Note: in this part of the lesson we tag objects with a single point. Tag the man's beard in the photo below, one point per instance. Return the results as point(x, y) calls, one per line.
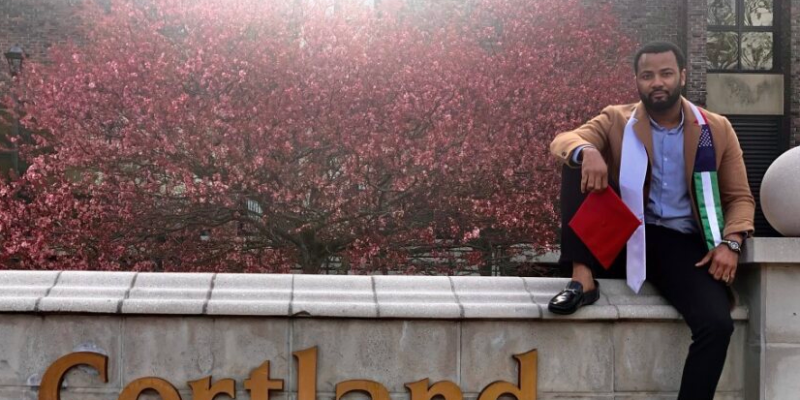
point(662, 105)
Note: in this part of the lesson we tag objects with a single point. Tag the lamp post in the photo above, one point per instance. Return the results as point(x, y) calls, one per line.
point(15, 57)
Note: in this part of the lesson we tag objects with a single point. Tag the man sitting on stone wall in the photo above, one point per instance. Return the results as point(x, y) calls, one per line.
point(682, 173)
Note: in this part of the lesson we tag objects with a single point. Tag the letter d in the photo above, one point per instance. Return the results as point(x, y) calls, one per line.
point(527, 381)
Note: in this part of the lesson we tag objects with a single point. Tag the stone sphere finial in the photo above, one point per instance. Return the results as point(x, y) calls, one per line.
point(780, 193)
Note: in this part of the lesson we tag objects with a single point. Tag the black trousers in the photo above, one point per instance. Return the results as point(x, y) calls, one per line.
point(704, 302)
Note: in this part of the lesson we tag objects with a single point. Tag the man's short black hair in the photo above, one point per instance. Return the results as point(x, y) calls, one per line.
point(660, 47)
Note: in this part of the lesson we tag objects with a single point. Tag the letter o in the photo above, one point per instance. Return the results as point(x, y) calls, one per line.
point(162, 387)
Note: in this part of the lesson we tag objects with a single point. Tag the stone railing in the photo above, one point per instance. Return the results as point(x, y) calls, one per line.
point(390, 329)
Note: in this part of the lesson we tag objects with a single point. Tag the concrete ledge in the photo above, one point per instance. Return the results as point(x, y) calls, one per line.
point(771, 251)
point(417, 297)
point(21, 290)
point(249, 294)
point(342, 296)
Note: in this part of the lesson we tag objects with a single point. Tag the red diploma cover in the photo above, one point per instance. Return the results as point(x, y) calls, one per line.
point(604, 223)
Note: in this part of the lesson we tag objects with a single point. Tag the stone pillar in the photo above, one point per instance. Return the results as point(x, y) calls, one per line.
point(768, 284)
point(794, 65)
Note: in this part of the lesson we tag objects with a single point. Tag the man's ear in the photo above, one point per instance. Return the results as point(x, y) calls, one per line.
point(683, 77)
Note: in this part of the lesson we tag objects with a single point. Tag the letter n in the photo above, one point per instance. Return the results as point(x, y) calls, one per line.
point(448, 390)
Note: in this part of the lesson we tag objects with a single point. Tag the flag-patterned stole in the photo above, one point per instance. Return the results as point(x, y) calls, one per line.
point(706, 186)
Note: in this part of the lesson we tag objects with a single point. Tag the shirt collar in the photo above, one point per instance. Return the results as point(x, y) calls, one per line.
point(661, 128)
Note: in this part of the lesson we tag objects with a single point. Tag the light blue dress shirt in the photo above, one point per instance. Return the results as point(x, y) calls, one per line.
point(669, 204)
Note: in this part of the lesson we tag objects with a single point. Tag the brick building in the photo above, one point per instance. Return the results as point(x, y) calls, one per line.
point(744, 58)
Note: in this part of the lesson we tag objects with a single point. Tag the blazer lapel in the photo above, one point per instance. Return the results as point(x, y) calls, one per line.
point(643, 131)
point(691, 138)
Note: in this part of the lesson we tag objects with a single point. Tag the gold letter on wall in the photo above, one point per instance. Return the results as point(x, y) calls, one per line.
point(306, 374)
point(375, 390)
point(527, 381)
point(54, 376)
point(202, 389)
point(448, 390)
point(259, 383)
point(162, 387)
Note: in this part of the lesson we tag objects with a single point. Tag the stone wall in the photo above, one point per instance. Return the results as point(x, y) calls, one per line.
point(390, 329)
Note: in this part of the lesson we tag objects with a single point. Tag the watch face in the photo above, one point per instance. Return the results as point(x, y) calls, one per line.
point(733, 245)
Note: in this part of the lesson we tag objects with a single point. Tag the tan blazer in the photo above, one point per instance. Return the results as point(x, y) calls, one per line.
point(605, 133)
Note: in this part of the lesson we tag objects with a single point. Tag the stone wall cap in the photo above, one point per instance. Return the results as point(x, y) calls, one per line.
point(337, 296)
point(784, 250)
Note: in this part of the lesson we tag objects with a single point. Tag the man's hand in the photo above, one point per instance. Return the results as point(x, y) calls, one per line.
point(594, 171)
point(723, 263)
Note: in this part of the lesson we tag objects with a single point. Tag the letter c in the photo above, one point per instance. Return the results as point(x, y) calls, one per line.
point(54, 376)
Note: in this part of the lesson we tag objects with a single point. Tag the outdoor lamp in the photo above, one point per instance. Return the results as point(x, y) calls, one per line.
point(15, 55)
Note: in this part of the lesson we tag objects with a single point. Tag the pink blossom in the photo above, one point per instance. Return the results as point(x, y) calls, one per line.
point(246, 136)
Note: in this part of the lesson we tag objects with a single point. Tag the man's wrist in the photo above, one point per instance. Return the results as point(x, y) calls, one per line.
point(738, 237)
point(581, 152)
point(577, 154)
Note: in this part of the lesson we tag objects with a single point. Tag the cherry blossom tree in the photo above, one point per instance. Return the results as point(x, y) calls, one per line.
point(212, 135)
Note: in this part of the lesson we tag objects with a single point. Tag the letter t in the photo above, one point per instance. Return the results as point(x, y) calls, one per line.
point(259, 383)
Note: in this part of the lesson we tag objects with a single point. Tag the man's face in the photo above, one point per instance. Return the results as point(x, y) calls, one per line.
point(659, 80)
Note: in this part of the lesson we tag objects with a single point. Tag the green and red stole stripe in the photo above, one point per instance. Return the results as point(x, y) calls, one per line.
point(706, 184)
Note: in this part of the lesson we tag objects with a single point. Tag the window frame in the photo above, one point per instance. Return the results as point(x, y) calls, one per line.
point(740, 28)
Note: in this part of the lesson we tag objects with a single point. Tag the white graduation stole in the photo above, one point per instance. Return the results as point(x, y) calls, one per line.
point(633, 170)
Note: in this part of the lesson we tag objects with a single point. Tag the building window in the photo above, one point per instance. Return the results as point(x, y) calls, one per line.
point(741, 35)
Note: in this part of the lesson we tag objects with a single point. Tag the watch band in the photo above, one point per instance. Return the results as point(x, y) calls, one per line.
point(733, 245)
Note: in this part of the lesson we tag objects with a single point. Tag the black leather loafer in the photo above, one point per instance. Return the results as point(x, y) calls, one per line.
point(572, 298)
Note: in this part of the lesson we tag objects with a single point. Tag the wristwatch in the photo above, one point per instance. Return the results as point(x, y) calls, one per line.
point(733, 245)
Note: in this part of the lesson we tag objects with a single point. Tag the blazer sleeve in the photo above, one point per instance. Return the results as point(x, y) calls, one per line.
point(594, 133)
point(738, 204)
